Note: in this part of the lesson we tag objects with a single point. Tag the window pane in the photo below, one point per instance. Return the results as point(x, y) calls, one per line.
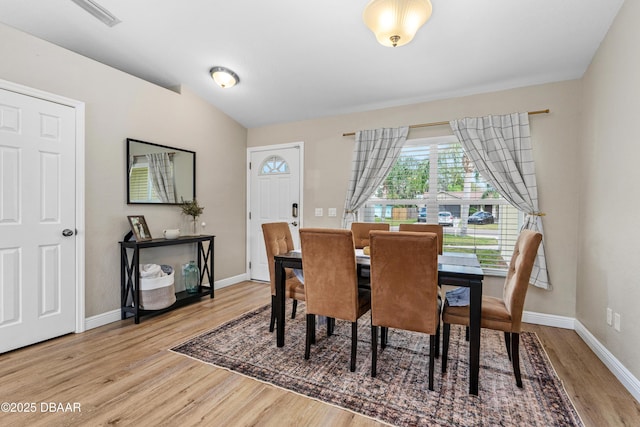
point(138, 184)
point(140, 188)
point(474, 216)
point(409, 178)
point(274, 165)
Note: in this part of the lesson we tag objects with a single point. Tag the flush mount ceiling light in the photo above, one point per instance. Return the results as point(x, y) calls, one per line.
point(98, 11)
point(224, 77)
point(395, 22)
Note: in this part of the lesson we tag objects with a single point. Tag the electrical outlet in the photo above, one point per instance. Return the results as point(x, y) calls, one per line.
point(333, 212)
point(319, 212)
point(609, 316)
point(616, 321)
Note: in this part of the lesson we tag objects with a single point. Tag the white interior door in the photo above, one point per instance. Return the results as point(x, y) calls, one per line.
point(37, 205)
point(275, 196)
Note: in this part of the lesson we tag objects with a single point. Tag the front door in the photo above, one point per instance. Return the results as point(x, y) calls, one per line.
point(37, 220)
point(274, 196)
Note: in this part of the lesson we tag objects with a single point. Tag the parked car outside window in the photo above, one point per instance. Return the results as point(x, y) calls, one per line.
point(422, 214)
point(445, 219)
point(480, 218)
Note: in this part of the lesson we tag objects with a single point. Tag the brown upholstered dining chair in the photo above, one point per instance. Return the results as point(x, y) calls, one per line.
point(404, 288)
point(361, 232)
point(361, 240)
point(331, 283)
point(429, 228)
point(502, 314)
point(278, 240)
point(438, 230)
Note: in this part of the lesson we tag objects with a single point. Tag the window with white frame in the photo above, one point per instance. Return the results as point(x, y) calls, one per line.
point(433, 181)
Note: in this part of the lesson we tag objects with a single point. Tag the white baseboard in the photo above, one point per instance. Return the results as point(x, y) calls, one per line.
point(101, 319)
point(548, 320)
point(114, 315)
point(219, 284)
point(627, 379)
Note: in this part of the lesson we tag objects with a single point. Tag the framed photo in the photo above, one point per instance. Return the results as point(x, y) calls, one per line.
point(139, 227)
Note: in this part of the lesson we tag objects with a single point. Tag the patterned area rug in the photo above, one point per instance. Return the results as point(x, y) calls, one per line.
point(399, 394)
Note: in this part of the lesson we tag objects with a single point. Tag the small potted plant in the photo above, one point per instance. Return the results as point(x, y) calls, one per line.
point(192, 209)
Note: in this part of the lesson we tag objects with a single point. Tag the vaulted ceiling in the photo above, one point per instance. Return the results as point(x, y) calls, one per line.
point(307, 59)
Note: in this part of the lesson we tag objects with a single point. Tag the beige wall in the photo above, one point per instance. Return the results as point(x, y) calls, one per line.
point(609, 243)
point(119, 106)
point(555, 141)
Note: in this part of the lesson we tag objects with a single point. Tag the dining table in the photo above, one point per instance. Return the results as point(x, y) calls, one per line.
point(454, 268)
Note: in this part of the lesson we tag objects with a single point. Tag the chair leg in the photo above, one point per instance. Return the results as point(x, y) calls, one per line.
point(446, 330)
point(272, 323)
point(384, 334)
point(374, 350)
point(432, 353)
point(294, 309)
point(307, 342)
point(354, 344)
point(331, 324)
point(437, 350)
point(507, 342)
point(466, 333)
point(515, 357)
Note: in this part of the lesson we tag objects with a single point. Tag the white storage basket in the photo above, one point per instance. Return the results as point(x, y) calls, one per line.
point(158, 292)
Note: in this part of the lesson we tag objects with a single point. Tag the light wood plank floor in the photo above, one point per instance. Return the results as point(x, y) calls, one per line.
point(123, 374)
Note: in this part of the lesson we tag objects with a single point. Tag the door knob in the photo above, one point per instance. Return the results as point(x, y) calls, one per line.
point(294, 223)
point(66, 232)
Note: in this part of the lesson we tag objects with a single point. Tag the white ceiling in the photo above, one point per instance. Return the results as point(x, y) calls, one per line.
point(302, 59)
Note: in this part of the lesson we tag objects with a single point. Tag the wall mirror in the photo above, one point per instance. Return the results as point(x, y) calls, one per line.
point(159, 174)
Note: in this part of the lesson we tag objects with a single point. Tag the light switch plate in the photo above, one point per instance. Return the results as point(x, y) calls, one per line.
point(332, 212)
point(319, 212)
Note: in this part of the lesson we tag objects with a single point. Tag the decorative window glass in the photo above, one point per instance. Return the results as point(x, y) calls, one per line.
point(274, 165)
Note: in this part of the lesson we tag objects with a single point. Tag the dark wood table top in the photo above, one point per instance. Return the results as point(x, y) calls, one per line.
point(449, 263)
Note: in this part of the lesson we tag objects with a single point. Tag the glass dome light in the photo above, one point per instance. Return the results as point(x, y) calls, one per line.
point(395, 22)
point(224, 77)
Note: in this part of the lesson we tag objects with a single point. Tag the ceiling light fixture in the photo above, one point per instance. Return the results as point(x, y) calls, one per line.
point(395, 22)
point(224, 77)
point(98, 11)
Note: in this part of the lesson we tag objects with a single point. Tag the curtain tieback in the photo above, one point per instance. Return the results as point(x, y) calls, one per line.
point(536, 213)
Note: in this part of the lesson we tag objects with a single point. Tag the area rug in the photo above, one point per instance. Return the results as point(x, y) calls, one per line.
point(399, 394)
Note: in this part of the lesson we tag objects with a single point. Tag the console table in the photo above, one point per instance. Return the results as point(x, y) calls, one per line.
point(130, 272)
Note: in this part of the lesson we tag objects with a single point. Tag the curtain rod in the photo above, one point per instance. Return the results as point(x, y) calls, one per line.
point(424, 125)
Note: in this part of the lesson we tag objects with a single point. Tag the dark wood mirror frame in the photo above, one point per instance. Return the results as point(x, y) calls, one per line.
point(184, 162)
